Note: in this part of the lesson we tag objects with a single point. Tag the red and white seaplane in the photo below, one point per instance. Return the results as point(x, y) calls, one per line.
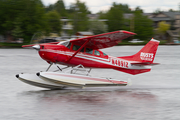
point(80, 55)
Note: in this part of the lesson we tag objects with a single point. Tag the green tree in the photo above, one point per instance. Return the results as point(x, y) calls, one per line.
point(138, 9)
point(79, 13)
point(102, 14)
point(115, 17)
point(142, 25)
point(60, 8)
point(21, 18)
point(162, 27)
point(98, 27)
point(17, 32)
point(54, 24)
point(125, 8)
point(49, 8)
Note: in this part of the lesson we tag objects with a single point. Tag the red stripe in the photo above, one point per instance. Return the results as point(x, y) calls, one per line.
point(95, 79)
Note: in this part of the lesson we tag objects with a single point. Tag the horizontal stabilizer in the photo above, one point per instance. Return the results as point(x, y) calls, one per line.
point(144, 63)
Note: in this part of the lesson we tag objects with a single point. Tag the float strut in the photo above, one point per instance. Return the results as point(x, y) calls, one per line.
point(49, 67)
point(59, 68)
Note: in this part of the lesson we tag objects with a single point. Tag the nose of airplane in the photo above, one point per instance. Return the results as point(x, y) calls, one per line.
point(37, 47)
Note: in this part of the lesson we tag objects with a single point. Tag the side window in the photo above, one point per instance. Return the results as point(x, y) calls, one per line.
point(96, 53)
point(88, 50)
point(104, 54)
point(76, 47)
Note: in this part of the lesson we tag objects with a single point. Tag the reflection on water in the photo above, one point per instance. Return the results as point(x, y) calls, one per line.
point(92, 96)
point(93, 103)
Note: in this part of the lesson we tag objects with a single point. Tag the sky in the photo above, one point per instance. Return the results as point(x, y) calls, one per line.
point(148, 6)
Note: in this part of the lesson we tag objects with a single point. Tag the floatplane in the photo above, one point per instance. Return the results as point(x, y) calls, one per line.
point(81, 55)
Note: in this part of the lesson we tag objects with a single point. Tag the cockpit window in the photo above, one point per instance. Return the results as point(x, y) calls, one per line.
point(88, 50)
point(76, 47)
point(104, 54)
point(96, 53)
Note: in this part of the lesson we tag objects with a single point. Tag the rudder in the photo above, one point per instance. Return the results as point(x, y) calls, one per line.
point(146, 54)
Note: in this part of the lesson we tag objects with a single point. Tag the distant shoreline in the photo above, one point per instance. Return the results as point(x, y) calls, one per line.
point(19, 45)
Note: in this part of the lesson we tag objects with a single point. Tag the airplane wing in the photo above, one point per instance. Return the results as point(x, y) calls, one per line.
point(103, 40)
point(100, 41)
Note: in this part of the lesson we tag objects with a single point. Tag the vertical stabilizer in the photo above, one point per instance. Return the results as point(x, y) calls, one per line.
point(146, 54)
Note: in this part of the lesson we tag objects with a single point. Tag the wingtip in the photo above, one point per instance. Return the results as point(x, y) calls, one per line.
point(155, 40)
point(128, 32)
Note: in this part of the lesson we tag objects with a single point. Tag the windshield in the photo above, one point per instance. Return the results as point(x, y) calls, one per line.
point(65, 43)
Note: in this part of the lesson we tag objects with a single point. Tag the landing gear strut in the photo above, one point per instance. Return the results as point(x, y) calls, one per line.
point(79, 69)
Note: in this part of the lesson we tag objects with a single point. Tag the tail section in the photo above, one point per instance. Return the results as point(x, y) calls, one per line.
point(140, 61)
point(146, 55)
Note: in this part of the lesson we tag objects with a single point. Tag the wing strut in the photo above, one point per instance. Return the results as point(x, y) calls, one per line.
point(78, 50)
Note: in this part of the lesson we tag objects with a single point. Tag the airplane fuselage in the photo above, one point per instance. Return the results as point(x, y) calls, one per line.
point(92, 59)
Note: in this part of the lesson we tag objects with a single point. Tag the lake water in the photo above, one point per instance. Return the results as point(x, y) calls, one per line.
point(154, 95)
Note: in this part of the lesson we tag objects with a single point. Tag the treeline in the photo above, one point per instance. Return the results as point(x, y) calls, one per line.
point(23, 18)
point(134, 22)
